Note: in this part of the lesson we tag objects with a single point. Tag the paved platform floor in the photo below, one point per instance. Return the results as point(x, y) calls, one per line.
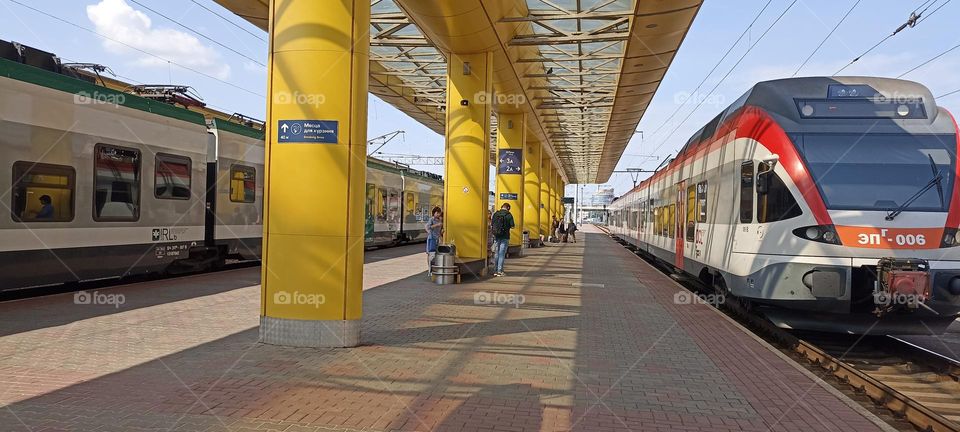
point(595, 343)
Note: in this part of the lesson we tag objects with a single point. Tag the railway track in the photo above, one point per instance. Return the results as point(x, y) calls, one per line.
point(916, 385)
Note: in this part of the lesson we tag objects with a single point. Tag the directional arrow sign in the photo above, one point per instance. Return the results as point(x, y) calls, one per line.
point(284, 127)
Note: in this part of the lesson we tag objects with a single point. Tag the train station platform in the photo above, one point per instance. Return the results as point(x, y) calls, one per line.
point(583, 337)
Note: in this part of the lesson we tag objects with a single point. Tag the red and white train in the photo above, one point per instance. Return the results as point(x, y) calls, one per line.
point(826, 203)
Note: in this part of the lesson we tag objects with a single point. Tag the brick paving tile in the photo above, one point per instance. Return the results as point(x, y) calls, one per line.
point(597, 345)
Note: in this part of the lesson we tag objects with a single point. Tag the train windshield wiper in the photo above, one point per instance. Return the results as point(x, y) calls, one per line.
point(937, 181)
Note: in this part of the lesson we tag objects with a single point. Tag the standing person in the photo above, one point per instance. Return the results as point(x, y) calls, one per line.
point(572, 230)
point(563, 232)
point(434, 229)
point(556, 230)
point(500, 225)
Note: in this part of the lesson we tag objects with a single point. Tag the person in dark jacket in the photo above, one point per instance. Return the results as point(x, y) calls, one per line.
point(500, 225)
point(572, 230)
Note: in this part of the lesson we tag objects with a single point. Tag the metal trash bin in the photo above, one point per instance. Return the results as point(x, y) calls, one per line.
point(526, 239)
point(444, 266)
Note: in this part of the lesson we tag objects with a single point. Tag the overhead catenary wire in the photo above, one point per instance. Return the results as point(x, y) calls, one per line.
point(236, 86)
point(715, 66)
point(948, 93)
point(229, 21)
point(224, 46)
point(725, 76)
point(915, 18)
point(834, 29)
point(931, 59)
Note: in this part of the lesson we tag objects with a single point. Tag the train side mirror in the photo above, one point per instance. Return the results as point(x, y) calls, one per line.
point(765, 173)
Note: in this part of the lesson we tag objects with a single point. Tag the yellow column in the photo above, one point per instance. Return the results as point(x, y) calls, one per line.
point(561, 192)
point(552, 188)
point(466, 183)
point(315, 173)
point(511, 135)
point(545, 222)
point(531, 192)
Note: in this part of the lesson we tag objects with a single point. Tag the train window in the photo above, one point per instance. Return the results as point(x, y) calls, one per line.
point(643, 215)
point(243, 184)
point(42, 192)
point(702, 201)
point(777, 203)
point(117, 183)
point(746, 192)
point(370, 205)
point(393, 206)
point(691, 211)
point(656, 221)
point(672, 220)
point(172, 177)
point(381, 210)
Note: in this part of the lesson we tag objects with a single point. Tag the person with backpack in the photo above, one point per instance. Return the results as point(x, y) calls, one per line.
point(500, 225)
point(434, 228)
point(572, 230)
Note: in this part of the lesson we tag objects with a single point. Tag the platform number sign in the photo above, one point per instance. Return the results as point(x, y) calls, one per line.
point(510, 161)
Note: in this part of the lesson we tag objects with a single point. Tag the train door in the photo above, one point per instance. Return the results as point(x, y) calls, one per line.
point(679, 219)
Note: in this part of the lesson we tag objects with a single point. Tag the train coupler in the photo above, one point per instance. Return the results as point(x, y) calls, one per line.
point(902, 283)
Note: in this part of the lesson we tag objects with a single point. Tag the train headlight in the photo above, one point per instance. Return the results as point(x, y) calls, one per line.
point(818, 233)
point(806, 110)
point(903, 110)
point(951, 237)
point(829, 237)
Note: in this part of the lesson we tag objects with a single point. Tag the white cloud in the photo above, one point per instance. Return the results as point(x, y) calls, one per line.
point(117, 20)
point(250, 66)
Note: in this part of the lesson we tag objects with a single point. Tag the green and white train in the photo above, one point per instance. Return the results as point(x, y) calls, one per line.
point(101, 183)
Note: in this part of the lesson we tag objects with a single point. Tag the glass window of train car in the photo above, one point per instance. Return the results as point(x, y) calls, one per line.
point(656, 221)
point(672, 222)
point(778, 203)
point(381, 210)
point(691, 211)
point(879, 172)
point(32, 182)
point(172, 177)
point(746, 192)
point(243, 184)
point(643, 214)
point(116, 193)
point(702, 201)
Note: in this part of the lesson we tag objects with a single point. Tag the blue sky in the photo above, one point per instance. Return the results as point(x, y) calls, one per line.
point(235, 81)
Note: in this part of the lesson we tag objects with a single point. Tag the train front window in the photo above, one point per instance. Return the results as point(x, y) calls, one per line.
point(880, 171)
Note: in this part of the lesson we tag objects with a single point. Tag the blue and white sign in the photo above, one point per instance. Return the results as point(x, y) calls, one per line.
point(510, 161)
point(508, 196)
point(308, 131)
